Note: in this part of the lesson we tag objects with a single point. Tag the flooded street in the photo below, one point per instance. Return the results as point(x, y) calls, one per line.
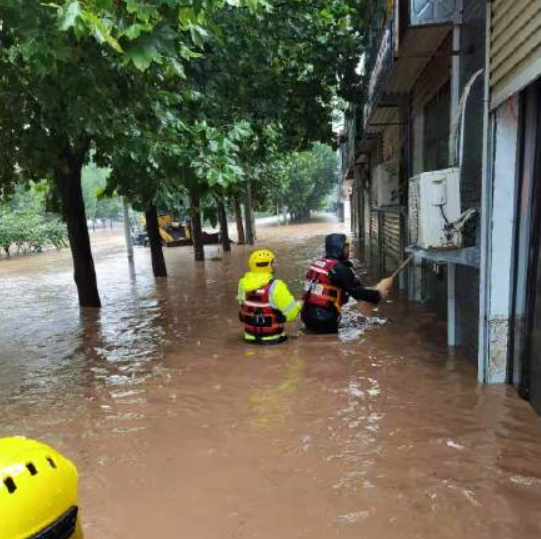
point(180, 430)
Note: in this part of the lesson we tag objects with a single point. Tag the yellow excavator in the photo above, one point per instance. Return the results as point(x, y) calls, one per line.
point(172, 233)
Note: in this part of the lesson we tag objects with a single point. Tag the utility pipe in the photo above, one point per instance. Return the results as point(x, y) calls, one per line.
point(127, 227)
point(486, 206)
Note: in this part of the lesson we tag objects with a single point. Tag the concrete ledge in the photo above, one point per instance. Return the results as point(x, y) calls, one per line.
point(469, 256)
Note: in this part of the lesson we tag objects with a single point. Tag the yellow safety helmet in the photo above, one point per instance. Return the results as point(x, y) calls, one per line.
point(261, 261)
point(38, 492)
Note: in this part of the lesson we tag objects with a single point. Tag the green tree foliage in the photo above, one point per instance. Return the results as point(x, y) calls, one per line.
point(312, 176)
point(301, 182)
point(173, 96)
point(98, 204)
point(77, 75)
point(24, 224)
point(285, 79)
point(286, 66)
point(182, 158)
point(28, 198)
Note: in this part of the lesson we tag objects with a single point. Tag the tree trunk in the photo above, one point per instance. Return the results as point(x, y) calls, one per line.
point(224, 228)
point(240, 225)
point(197, 228)
point(68, 181)
point(156, 250)
point(249, 215)
point(284, 213)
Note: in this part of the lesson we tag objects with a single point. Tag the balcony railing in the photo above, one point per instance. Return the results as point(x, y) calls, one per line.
point(380, 61)
point(432, 12)
point(385, 40)
point(348, 146)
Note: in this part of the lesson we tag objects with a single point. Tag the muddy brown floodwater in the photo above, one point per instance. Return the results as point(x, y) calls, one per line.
point(179, 430)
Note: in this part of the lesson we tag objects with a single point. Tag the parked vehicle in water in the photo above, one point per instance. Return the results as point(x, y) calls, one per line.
point(172, 233)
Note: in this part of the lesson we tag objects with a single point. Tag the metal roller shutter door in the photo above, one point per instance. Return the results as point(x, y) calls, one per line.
point(391, 239)
point(374, 226)
point(515, 55)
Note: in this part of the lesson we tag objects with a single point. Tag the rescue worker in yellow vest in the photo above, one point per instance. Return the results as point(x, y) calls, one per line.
point(266, 304)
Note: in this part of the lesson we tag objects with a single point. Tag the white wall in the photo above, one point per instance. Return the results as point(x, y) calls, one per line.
point(497, 244)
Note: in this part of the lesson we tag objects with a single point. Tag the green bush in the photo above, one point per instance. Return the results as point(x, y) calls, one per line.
point(27, 232)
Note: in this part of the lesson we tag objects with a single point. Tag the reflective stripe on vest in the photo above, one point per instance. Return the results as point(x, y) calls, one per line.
point(290, 307)
point(319, 270)
point(256, 304)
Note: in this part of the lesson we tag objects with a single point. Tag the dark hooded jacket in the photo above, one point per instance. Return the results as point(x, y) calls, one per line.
point(342, 276)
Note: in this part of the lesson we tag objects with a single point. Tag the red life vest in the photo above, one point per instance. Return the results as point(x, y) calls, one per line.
point(319, 290)
point(259, 317)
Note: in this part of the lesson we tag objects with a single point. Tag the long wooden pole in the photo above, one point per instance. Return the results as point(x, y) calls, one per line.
point(402, 267)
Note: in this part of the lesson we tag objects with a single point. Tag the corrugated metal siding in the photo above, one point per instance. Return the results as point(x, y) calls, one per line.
point(382, 116)
point(515, 39)
point(391, 240)
point(374, 226)
point(467, 305)
point(367, 216)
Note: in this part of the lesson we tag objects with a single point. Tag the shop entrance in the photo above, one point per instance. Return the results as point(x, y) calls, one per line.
point(526, 329)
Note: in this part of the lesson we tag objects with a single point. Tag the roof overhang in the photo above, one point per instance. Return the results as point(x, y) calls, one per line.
point(416, 49)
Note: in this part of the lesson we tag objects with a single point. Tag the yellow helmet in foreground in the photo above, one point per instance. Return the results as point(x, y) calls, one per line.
point(38, 492)
point(261, 261)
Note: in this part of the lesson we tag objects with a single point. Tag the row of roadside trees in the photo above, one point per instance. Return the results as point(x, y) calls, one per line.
point(26, 225)
point(208, 99)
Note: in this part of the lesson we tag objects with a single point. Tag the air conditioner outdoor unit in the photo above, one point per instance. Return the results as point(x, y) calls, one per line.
point(434, 210)
point(385, 183)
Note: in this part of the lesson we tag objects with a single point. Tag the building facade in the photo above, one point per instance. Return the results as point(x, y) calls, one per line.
point(453, 87)
point(420, 58)
point(510, 304)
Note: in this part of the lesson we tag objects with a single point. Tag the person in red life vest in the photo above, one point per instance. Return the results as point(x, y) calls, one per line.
point(266, 304)
point(330, 282)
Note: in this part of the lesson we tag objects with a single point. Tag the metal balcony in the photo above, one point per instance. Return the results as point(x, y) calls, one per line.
point(400, 51)
point(430, 12)
point(379, 64)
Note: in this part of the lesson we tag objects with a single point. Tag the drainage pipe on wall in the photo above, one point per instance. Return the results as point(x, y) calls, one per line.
point(486, 212)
